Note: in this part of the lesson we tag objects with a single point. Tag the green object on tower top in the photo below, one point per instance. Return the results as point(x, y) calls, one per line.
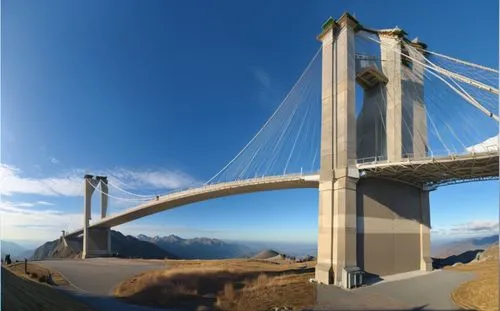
point(328, 22)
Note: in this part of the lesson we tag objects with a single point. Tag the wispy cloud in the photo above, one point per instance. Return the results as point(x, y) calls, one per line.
point(70, 184)
point(19, 221)
point(24, 204)
point(12, 181)
point(54, 160)
point(261, 76)
point(158, 179)
point(471, 228)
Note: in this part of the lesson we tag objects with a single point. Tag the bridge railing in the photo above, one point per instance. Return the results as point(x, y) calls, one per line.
point(249, 180)
point(408, 157)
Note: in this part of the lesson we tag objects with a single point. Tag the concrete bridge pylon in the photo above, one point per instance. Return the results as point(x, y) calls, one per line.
point(379, 226)
point(96, 241)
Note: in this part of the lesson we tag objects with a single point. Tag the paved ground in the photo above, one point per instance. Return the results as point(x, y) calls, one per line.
point(420, 292)
point(99, 276)
point(94, 279)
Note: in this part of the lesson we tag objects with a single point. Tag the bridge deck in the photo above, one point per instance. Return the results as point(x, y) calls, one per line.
point(437, 171)
point(204, 193)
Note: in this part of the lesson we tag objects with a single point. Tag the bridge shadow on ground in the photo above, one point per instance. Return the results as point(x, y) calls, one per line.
point(111, 303)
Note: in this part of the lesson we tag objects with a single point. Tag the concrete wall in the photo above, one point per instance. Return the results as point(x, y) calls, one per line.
point(390, 217)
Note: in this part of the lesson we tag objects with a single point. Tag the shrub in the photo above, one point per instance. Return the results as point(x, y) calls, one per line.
point(229, 291)
point(34, 275)
point(42, 278)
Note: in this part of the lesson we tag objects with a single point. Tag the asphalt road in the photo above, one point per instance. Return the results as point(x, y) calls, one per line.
point(424, 292)
point(427, 292)
point(99, 276)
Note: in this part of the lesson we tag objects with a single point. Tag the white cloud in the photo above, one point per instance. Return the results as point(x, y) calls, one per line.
point(18, 221)
point(70, 184)
point(490, 144)
point(54, 160)
point(157, 179)
point(44, 203)
point(261, 76)
point(12, 182)
point(21, 223)
point(24, 204)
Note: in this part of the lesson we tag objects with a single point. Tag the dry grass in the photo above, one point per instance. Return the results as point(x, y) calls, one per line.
point(37, 273)
point(266, 292)
point(482, 292)
point(223, 285)
point(24, 294)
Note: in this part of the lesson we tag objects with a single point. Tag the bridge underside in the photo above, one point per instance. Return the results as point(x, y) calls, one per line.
point(454, 169)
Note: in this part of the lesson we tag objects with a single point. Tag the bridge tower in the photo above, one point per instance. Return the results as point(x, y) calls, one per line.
point(379, 226)
point(96, 241)
point(338, 173)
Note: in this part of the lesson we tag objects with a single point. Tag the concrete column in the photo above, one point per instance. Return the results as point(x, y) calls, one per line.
point(109, 242)
point(104, 196)
point(104, 210)
point(344, 222)
point(415, 89)
point(324, 268)
point(425, 234)
point(88, 189)
point(337, 197)
point(391, 67)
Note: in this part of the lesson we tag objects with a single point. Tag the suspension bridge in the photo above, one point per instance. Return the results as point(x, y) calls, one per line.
point(375, 122)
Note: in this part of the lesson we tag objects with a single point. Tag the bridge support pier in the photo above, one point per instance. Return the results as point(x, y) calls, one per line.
point(99, 243)
point(425, 231)
point(379, 225)
point(338, 174)
point(96, 242)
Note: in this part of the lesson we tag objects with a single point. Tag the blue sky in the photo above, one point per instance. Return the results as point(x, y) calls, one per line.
point(164, 93)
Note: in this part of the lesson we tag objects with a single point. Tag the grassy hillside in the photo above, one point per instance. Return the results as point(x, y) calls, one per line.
point(482, 292)
point(237, 284)
point(23, 294)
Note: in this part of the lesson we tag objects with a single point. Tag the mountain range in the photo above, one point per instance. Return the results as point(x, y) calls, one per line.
point(15, 250)
point(455, 247)
point(199, 248)
point(173, 246)
point(121, 245)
